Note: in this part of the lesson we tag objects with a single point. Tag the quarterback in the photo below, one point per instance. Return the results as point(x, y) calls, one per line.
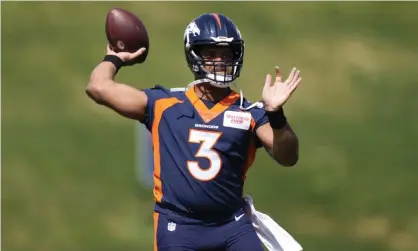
point(204, 136)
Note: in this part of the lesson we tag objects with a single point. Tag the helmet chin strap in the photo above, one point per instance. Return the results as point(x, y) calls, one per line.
point(241, 95)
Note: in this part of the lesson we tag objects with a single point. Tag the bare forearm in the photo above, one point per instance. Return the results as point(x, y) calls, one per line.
point(285, 146)
point(103, 74)
point(124, 99)
point(104, 70)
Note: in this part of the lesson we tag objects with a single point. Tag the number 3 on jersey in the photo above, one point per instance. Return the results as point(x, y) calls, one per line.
point(207, 140)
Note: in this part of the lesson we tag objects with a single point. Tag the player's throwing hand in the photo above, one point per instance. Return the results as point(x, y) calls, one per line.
point(125, 56)
point(276, 93)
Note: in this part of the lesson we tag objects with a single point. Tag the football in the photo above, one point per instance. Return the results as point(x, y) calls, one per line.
point(126, 32)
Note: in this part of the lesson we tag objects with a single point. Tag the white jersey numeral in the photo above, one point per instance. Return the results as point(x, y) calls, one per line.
point(207, 140)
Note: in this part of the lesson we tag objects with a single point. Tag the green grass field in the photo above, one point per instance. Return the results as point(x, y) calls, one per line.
point(68, 177)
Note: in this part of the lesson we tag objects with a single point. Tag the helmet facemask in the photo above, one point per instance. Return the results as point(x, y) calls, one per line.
point(218, 72)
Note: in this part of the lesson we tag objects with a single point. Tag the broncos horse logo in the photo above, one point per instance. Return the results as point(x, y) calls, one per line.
point(191, 29)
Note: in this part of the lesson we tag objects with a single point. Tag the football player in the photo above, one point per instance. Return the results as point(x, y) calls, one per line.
point(204, 137)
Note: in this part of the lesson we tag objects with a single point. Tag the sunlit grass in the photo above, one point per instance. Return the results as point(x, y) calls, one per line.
point(68, 165)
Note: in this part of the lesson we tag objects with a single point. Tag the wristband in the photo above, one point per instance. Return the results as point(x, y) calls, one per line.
point(277, 119)
point(115, 60)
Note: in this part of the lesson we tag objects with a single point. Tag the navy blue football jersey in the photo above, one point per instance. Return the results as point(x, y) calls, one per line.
point(201, 151)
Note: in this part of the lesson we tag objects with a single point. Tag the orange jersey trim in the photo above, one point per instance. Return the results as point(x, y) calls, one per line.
point(160, 106)
point(209, 114)
point(251, 151)
point(155, 216)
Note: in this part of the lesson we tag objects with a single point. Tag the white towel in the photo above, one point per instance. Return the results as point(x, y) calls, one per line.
point(273, 236)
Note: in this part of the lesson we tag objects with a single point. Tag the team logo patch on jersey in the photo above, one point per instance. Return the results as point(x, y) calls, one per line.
point(239, 120)
point(171, 226)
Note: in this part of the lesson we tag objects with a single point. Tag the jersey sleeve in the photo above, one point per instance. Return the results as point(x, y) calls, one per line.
point(153, 94)
point(260, 118)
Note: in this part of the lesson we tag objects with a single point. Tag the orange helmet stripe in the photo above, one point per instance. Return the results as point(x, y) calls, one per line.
point(217, 19)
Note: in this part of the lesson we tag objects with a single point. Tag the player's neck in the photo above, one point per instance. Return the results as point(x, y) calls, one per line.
point(211, 93)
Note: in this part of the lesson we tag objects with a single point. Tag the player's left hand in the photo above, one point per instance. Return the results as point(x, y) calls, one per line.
point(275, 94)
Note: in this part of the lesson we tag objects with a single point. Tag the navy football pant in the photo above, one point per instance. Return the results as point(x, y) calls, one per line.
point(237, 234)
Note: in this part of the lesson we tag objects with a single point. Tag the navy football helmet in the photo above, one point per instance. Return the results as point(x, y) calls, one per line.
point(216, 30)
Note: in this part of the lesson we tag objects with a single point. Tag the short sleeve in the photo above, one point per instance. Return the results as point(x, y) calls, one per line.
point(260, 118)
point(153, 94)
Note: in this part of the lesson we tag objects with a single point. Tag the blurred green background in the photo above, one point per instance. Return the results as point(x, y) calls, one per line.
point(68, 165)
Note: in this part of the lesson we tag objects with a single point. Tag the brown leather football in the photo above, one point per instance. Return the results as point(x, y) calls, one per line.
point(126, 32)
